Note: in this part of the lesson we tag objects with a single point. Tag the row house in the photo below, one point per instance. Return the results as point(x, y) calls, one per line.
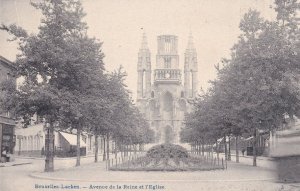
point(30, 141)
point(7, 121)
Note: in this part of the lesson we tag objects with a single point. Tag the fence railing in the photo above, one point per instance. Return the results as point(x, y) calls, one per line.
point(122, 161)
point(141, 162)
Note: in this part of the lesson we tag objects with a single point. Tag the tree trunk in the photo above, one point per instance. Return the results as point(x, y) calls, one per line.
point(78, 147)
point(49, 149)
point(129, 147)
point(217, 148)
point(122, 149)
point(19, 153)
point(202, 147)
point(237, 159)
point(128, 150)
point(107, 145)
point(254, 148)
point(104, 149)
point(135, 149)
point(229, 149)
point(96, 147)
point(193, 148)
point(271, 141)
point(225, 147)
point(208, 150)
point(116, 150)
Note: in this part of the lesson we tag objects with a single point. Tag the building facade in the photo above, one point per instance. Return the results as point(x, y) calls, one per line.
point(30, 141)
point(161, 95)
point(284, 142)
point(7, 122)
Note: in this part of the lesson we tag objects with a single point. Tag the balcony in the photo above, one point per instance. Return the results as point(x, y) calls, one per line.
point(167, 76)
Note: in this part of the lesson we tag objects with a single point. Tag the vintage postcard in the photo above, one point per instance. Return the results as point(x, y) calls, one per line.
point(144, 95)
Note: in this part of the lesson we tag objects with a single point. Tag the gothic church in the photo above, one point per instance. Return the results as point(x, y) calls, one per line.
point(164, 100)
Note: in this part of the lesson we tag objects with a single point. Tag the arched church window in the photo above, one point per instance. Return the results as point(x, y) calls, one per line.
point(169, 134)
point(167, 45)
point(168, 101)
point(195, 62)
point(144, 83)
point(167, 62)
point(191, 83)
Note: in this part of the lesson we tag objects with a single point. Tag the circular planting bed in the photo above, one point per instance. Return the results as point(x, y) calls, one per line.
point(167, 151)
point(167, 157)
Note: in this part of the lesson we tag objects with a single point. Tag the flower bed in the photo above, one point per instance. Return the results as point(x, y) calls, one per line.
point(167, 151)
point(168, 157)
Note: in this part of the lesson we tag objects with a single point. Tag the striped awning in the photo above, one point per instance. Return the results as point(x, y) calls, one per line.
point(72, 139)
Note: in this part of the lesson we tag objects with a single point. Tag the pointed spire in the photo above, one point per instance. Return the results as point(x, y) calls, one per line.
point(190, 42)
point(144, 42)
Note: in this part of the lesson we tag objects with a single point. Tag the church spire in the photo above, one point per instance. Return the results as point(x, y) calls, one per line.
point(190, 69)
point(190, 46)
point(144, 70)
point(144, 42)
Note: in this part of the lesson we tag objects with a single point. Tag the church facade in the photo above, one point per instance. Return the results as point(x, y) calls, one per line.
point(162, 96)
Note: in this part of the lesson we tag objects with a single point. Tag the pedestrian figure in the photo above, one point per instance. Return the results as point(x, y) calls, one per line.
point(43, 151)
point(243, 151)
point(5, 154)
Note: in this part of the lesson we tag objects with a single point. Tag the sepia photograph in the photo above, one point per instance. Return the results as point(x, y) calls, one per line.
point(150, 95)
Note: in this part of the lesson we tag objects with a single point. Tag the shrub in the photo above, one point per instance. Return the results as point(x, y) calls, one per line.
point(167, 151)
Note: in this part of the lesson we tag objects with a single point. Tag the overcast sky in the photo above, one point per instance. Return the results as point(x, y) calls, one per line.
point(118, 24)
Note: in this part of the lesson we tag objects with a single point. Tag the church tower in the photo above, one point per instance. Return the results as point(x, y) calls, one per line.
point(144, 70)
point(167, 56)
point(165, 101)
point(190, 70)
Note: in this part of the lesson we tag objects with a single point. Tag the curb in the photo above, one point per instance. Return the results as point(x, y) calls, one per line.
point(33, 175)
point(21, 163)
point(251, 157)
point(16, 164)
point(58, 158)
point(295, 185)
point(259, 158)
point(28, 157)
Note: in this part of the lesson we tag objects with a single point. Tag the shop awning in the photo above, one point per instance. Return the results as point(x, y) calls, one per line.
point(7, 120)
point(72, 139)
point(249, 138)
point(220, 140)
